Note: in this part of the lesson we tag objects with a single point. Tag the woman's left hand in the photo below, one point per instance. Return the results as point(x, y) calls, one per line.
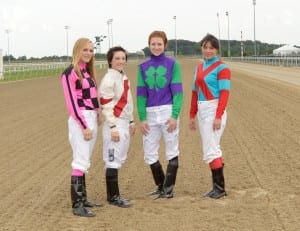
point(172, 124)
point(87, 134)
point(217, 124)
point(192, 124)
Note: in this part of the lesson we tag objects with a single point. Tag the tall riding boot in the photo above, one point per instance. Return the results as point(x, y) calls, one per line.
point(158, 176)
point(170, 179)
point(87, 203)
point(112, 187)
point(77, 197)
point(218, 189)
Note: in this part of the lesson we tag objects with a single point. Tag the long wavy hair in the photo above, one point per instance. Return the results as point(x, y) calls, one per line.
point(76, 58)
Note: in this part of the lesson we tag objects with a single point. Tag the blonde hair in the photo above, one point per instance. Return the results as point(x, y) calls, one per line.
point(76, 58)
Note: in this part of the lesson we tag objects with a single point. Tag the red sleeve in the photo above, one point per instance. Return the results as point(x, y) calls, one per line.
point(224, 95)
point(224, 74)
point(194, 105)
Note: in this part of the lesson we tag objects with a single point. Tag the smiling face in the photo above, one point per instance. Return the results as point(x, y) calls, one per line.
point(156, 46)
point(87, 52)
point(118, 61)
point(208, 50)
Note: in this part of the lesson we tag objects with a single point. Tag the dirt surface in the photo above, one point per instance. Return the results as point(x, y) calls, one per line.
point(261, 147)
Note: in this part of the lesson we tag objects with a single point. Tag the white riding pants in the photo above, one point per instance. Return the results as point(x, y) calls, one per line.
point(157, 118)
point(210, 138)
point(115, 153)
point(82, 149)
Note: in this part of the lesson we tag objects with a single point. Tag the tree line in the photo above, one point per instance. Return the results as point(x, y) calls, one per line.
point(188, 48)
point(184, 48)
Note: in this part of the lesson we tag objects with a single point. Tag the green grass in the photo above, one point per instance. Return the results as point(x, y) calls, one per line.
point(15, 73)
point(30, 74)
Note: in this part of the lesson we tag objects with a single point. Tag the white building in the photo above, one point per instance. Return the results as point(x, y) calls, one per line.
point(287, 50)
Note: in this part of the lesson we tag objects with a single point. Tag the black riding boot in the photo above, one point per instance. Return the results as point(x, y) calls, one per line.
point(87, 203)
point(77, 197)
point(158, 176)
point(170, 179)
point(218, 189)
point(112, 188)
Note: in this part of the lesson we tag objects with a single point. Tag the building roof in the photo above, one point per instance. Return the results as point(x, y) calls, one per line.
point(286, 50)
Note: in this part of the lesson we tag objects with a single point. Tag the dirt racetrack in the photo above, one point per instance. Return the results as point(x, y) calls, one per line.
point(261, 147)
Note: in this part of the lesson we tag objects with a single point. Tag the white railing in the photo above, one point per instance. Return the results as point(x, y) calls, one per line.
point(20, 67)
point(20, 71)
point(288, 61)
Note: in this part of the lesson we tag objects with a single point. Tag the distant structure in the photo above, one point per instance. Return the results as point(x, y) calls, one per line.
point(1, 65)
point(287, 50)
point(170, 54)
point(140, 54)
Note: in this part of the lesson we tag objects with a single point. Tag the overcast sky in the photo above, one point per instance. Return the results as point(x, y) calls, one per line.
point(37, 27)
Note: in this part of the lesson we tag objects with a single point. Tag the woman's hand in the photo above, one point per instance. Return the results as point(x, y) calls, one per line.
point(115, 136)
point(172, 124)
point(192, 124)
point(145, 128)
point(87, 134)
point(217, 124)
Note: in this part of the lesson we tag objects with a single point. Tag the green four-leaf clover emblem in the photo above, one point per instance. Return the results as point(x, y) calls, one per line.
point(156, 77)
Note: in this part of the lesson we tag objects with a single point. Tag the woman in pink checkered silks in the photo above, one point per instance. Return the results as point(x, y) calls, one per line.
point(80, 91)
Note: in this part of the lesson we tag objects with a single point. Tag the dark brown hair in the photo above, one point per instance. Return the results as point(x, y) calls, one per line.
point(111, 52)
point(212, 39)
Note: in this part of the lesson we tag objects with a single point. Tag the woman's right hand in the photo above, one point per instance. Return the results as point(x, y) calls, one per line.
point(145, 128)
point(115, 136)
point(192, 124)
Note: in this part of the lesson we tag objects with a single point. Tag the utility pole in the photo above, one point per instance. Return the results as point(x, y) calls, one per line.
point(67, 39)
point(220, 49)
point(254, 3)
point(229, 53)
point(174, 17)
point(242, 46)
point(7, 31)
